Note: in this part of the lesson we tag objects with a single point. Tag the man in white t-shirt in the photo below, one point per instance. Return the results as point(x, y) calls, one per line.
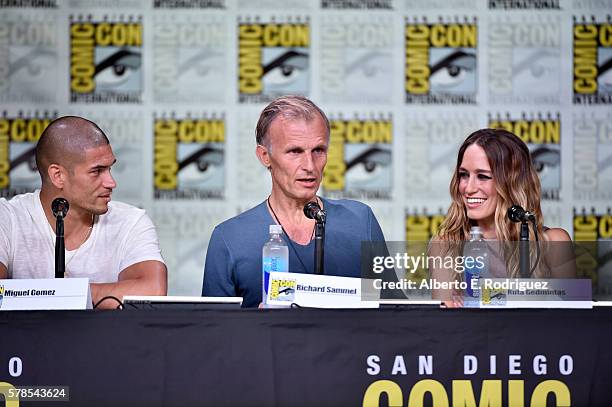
point(111, 243)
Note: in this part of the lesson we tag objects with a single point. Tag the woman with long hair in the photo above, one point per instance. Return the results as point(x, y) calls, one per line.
point(494, 171)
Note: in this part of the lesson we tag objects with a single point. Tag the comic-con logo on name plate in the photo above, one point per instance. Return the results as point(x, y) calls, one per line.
point(18, 137)
point(592, 61)
point(106, 60)
point(359, 159)
point(542, 134)
point(273, 59)
point(493, 297)
point(1, 294)
point(189, 157)
point(282, 289)
point(440, 62)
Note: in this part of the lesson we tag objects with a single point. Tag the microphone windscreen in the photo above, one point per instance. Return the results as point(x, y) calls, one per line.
point(60, 206)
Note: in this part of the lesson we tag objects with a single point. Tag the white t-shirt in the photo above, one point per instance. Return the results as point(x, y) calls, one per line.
point(121, 237)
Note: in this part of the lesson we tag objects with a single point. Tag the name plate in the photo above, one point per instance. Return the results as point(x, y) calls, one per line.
point(315, 291)
point(45, 294)
point(536, 293)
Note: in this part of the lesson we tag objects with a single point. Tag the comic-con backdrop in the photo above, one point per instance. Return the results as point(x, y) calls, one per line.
point(178, 86)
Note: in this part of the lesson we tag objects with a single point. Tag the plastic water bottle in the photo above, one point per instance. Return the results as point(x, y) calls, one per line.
point(475, 262)
point(275, 257)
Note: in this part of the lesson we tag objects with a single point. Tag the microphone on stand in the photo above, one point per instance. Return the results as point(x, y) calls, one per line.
point(517, 214)
point(312, 210)
point(59, 207)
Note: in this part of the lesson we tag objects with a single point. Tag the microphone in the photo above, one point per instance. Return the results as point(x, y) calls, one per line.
point(60, 207)
point(312, 210)
point(517, 214)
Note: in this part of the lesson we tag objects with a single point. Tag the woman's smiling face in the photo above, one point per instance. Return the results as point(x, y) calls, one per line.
point(477, 185)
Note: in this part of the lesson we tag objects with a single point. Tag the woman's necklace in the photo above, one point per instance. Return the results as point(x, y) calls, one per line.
point(286, 234)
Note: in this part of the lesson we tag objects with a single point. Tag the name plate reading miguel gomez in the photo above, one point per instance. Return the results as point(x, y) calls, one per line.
point(45, 294)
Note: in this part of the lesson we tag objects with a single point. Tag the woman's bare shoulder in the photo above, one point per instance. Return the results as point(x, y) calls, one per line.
point(557, 235)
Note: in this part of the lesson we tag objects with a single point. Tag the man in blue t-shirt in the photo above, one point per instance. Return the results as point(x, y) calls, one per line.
point(292, 140)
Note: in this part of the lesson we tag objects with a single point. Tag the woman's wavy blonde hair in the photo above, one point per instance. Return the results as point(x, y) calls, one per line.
point(516, 183)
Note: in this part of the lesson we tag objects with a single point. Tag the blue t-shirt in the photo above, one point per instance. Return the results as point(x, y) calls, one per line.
point(233, 260)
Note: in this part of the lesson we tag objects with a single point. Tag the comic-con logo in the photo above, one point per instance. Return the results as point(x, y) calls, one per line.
point(1, 294)
point(190, 63)
point(542, 134)
point(420, 227)
point(441, 62)
point(592, 62)
point(356, 59)
point(18, 138)
point(282, 289)
point(126, 131)
point(273, 60)
point(593, 235)
point(524, 60)
point(359, 159)
point(592, 157)
point(105, 61)
point(189, 158)
point(28, 59)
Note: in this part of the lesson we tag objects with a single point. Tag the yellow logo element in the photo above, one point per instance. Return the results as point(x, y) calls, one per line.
point(282, 289)
point(5, 391)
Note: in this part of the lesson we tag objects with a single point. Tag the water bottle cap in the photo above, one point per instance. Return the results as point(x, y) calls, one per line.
point(276, 229)
point(475, 229)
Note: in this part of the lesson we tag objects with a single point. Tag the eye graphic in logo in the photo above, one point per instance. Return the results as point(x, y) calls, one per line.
point(126, 171)
point(286, 292)
point(200, 64)
point(200, 68)
point(604, 74)
point(33, 63)
point(546, 161)
point(284, 71)
point(604, 164)
point(369, 167)
point(452, 70)
point(201, 166)
point(23, 169)
point(118, 69)
point(372, 68)
point(32, 71)
point(441, 163)
point(536, 70)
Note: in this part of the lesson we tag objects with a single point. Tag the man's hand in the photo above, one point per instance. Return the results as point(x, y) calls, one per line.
point(3, 272)
point(144, 278)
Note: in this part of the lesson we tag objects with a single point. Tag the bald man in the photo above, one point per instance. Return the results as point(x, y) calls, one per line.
point(111, 243)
